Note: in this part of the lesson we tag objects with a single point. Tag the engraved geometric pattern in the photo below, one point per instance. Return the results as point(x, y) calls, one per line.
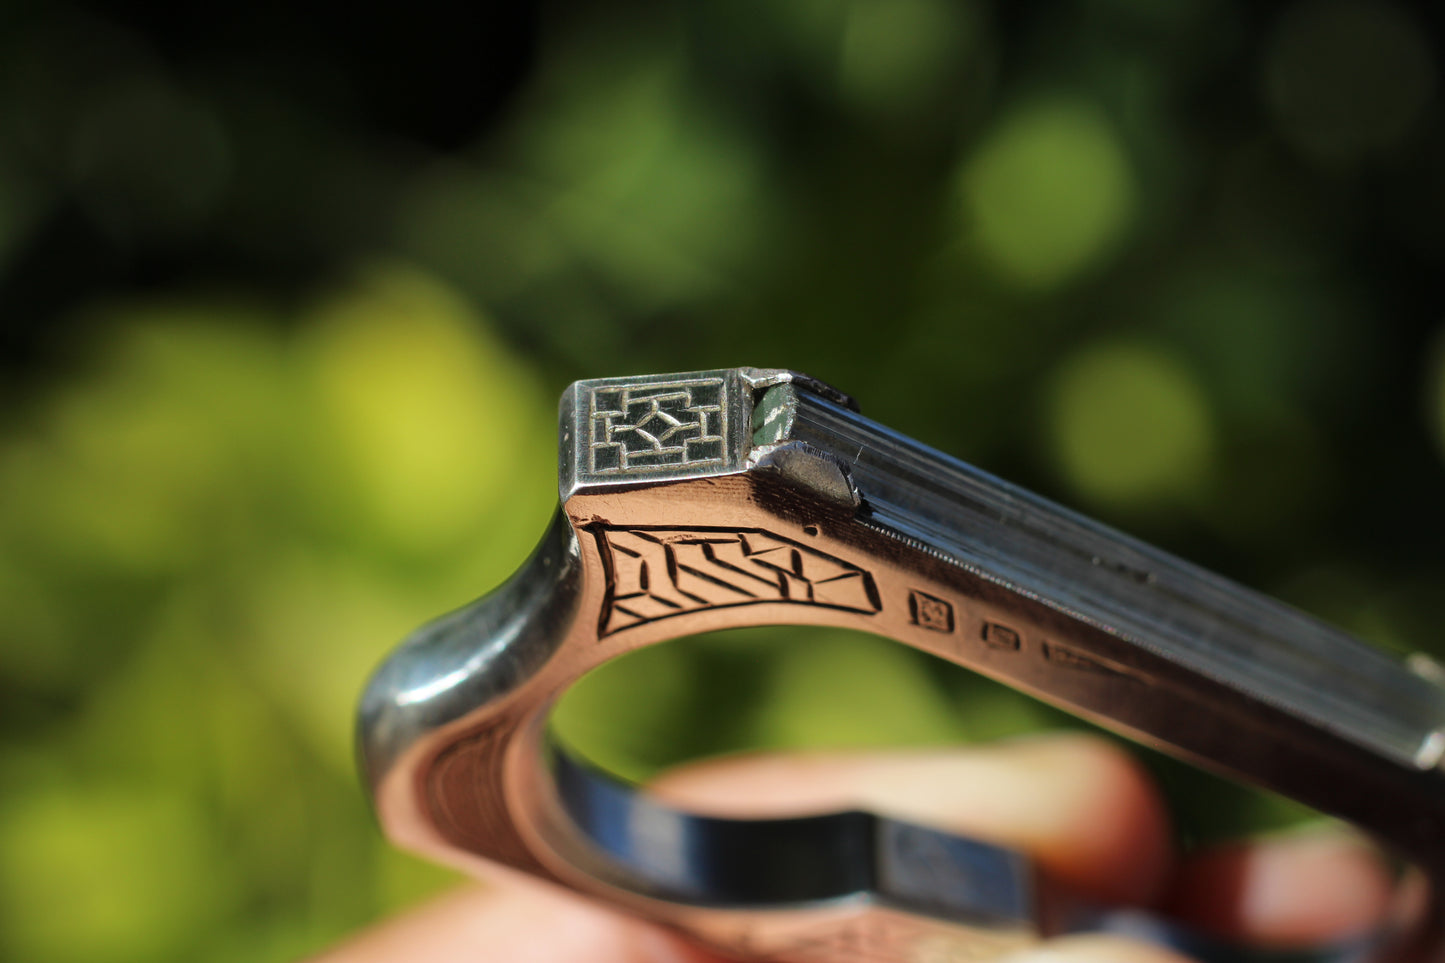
point(656, 427)
point(657, 573)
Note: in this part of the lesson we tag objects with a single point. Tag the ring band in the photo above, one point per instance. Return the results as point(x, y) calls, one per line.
point(739, 497)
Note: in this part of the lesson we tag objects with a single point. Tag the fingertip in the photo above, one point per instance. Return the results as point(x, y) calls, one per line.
point(1295, 890)
point(1079, 805)
point(1108, 834)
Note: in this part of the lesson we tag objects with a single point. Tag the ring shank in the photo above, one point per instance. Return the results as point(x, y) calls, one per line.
point(494, 789)
point(824, 518)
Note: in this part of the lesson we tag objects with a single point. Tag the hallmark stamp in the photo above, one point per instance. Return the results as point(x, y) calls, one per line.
point(1070, 659)
point(656, 426)
point(654, 573)
point(997, 636)
point(930, 613)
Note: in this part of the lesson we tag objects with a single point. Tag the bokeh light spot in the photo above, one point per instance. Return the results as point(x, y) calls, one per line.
point(1049, 193)
point(1131, 427)
point(896, 51)
point(124, 466)
point(428, 414)
point(1348, 78)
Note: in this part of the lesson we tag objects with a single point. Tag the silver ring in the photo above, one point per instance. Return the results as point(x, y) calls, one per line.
point(737, 497)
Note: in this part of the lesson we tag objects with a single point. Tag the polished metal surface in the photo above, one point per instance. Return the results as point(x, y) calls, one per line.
point(717, 499)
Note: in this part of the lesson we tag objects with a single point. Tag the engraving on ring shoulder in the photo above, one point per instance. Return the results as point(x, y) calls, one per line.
point(654, 573)
point(456, 787)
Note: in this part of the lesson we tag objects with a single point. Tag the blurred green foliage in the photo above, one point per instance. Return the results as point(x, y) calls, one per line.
point(210, 536)
point(284, 373)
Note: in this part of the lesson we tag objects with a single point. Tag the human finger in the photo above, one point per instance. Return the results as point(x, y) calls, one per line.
point(1078, 805)
point(1301, 889)
point(518, 920)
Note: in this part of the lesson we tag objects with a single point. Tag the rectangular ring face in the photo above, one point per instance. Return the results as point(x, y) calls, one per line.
point(654, 427)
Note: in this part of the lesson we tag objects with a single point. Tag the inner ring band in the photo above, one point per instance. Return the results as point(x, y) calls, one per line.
point(852, 855)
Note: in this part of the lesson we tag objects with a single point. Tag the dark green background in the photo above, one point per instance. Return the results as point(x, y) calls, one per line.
point(287, 294)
